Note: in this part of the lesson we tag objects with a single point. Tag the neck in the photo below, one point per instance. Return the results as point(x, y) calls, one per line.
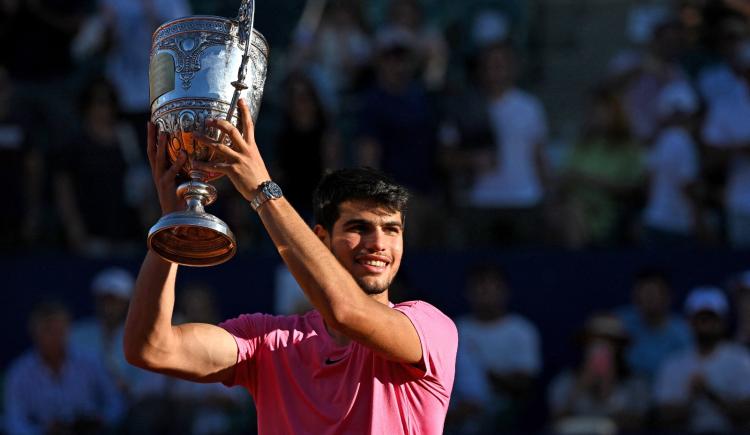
point(497, 90)
point(53, 362)
point(656, 321)
point(705, 349)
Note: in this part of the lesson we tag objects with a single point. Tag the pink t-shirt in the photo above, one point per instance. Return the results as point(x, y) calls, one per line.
point(303, 383)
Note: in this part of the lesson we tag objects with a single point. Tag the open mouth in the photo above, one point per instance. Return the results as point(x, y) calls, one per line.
point(373, 264)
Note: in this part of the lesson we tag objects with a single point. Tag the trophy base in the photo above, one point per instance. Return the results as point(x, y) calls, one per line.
point(192, 238)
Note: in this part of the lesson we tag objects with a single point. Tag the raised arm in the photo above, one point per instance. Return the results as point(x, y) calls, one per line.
point(194, 351)
point(330, 287)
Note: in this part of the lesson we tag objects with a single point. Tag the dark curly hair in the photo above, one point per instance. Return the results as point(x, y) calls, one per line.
point(363, 184)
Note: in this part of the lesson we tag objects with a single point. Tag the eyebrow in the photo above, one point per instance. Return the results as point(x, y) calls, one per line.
point(391, 223)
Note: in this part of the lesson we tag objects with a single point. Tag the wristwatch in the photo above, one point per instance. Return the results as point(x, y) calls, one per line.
point(267, 190)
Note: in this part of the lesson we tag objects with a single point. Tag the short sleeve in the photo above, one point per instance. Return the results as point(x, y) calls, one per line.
point(558, 392)
point(671, 383)
point(739, 367)
point(439, 339)
point(249, 332)
point(528, 356)
point(680, 157)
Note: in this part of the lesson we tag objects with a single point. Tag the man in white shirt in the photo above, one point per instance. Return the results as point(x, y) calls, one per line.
point(500, 132)
point(726, 132)
point(706, 389)
point(498, 358)
point(671, 214)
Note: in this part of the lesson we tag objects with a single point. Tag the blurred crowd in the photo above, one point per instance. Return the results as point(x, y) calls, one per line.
point(440, 96)
point(641, 368)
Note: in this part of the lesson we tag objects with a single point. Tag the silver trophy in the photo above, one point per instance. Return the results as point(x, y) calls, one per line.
point(198, 69)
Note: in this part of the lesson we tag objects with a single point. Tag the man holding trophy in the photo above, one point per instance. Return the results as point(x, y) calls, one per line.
point(357, 363)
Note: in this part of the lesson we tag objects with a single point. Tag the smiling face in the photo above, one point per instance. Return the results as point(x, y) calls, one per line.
point(367, 240)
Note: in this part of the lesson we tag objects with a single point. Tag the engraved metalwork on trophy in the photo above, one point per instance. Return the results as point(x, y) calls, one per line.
point(211, 56)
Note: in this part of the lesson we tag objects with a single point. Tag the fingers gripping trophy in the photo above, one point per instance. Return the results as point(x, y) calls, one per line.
point(200, 67)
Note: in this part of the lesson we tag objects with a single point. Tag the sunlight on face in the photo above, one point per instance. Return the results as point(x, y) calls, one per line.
point(368, 241)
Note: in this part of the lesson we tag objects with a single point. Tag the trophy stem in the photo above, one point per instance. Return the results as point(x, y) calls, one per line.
point(196, 193)
point(193, 237)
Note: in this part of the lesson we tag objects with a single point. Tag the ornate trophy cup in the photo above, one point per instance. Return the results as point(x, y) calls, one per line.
point(197, 72)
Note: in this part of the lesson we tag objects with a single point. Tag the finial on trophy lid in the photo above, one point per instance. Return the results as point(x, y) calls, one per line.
point(198, 70)
point(246, 20)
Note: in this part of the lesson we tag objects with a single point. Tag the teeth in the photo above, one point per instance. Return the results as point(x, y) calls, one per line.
point(375, 263)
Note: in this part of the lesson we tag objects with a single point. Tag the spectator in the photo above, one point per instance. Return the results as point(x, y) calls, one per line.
point(498, 359)
point(727, 135)
point(334, 48)
point(130, 25)
point(498, 132)
point(603, 176)
point(655, 332)
point(307, 142)
point(601, 392)
point(658, 67)
point(430, 45)
point(398, 130)
point(706, 389)
point(672, 215)
point(101, 336)
point(52, 389)
point(99, 179)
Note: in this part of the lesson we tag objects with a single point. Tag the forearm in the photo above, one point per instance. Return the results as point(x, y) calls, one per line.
point(329, 287)
point(148, 328)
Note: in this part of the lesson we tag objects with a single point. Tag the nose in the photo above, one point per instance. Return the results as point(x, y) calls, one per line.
point(376, 240)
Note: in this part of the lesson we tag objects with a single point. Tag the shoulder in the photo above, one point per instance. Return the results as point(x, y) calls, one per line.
point(425, 308)
point(429, 320)
point(678, 323)
point(677, 362)
point(521, 98)
point(734, 352)
point(22, 366)
point(520, 322)
point(676, 139)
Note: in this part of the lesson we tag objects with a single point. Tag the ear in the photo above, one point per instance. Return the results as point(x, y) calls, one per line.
point(322, 233)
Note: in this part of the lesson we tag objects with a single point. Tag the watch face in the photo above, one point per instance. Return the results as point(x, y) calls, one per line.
point(272, 190)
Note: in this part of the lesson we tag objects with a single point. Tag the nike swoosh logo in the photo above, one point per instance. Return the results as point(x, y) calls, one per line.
point(330, 361)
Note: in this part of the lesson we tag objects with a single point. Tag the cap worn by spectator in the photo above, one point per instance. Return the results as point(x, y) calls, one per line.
point(113, 281)
point(490, 27)
point(706, 298)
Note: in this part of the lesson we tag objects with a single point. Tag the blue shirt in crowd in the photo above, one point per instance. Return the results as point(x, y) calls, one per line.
point(650, 347)
point(35, 397)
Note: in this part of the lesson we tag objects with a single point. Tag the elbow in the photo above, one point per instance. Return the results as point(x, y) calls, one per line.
point(346, 317)
point(134, 353)
point(137, 353)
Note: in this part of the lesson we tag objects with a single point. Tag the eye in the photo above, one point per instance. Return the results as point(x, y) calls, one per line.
point(393, 230)
point(357, 228)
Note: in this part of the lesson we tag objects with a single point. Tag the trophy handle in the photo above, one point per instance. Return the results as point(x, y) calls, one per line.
point(246, 18)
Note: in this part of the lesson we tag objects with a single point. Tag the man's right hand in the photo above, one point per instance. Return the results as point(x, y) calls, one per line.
point(163, 171)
